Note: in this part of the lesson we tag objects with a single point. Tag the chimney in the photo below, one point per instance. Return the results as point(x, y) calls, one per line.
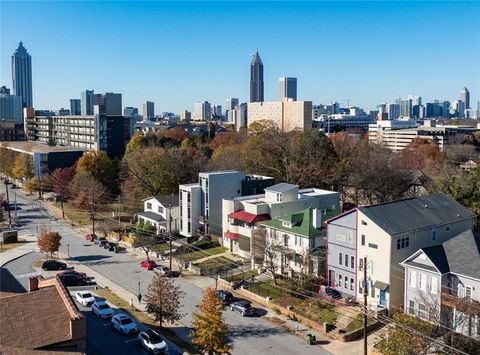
point(32, 284)
point(316, 217)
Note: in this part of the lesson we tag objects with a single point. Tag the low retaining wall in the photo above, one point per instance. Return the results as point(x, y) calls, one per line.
point(358, 334)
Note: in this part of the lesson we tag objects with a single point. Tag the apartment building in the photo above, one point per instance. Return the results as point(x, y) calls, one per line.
point(442, 284)
point(387, 234)
point(201, 203)
point(242, 214)
point(396, 135)
point(287, 115)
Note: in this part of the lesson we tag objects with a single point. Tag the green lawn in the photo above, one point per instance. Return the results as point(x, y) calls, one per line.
point(196, 255)
point(357, 323)
point(220, 261)
point(241, 276)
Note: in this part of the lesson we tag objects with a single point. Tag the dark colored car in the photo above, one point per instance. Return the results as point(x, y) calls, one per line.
point(53, 265)
point(243, 307)
point(73, 280)
point(225, 296)
point(240, 283)
point(101, 243)
point(97, 240)
point(73, 273)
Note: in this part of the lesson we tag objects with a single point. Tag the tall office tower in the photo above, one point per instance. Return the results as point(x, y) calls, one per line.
point(393, 111)
point(10, 106)
point(86, 108)
point(287, 88)
point(217, 110)
point(109, 104)
point(130, 112)
point(232, 102)
point(185, 115)
point(75, 107)
point(22, 75)
point(203, 111)
point(148, 110)
point(457, 108)
point(256, 79)
point(465, 97)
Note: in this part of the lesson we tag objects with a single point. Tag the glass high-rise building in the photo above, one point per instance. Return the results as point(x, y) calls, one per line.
point(465, 97)
point(287, 88)
point(22, 75)
point(87, 102)
point(75, 107)
point(256, 79)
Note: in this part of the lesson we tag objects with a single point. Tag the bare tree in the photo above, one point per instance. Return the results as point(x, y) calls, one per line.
point(163, 300)
point(266, 247)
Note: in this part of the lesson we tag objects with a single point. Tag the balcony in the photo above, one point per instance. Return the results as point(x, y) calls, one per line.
point(462, 304)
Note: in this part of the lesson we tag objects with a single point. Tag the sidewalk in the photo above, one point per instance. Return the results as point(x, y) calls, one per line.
point(12, 254)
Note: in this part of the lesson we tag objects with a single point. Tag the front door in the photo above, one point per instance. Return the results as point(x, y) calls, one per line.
point(331, 278)
point(382, 298)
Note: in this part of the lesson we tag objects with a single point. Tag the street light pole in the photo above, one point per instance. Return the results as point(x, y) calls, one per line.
point(8, 204)
point(170, 232)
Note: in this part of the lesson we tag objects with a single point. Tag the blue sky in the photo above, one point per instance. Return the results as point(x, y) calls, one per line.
point(176, 53)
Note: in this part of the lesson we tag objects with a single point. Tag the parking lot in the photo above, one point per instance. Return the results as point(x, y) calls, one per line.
point(102, 338)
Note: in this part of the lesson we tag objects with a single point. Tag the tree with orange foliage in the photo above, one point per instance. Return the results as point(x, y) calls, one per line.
point(209, 328)
point(419, 154)
point(48, 241)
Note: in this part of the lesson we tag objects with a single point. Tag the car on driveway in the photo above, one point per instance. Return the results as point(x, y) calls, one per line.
point(102, 309)
point(152, 342)
point(244, 307)
point(90, 237)
point(164, 271)
point(72, 279)
point(148, 264)
point(79, 275)
point(97, 240)
point(124, 323)
point(85, 298)
point(53, 265)
point(225, 296)
point(102, 243)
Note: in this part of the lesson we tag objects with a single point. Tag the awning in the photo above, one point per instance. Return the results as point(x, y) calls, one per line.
point(230, 235)
point(248, 217)
point(380, 285)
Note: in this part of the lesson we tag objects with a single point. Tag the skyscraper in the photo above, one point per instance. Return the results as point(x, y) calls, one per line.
point(87, 102)
point(148, 110)
point(256, 79)
point(465, 97)
point(287, 88)
point(203, 111)
point(232, 102)
point(75, 107)
point(22, 75)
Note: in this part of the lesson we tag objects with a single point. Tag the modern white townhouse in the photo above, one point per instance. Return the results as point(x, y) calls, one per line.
point(387, 234)
point(442, 284)
point(157, 211)
point(241, 214)
point(201, 203)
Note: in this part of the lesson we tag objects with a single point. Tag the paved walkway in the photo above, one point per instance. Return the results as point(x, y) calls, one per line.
point(12, 254)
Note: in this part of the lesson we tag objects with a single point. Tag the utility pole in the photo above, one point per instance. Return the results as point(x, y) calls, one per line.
point(15, 203)
point(170, 232)
point(365, 317)
point(93, 211)
point(8, 204)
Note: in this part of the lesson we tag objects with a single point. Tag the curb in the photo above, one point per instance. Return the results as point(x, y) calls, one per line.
point(17, 257)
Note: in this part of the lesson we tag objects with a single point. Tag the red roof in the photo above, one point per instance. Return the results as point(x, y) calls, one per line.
point(230, 235)
point(249, 217)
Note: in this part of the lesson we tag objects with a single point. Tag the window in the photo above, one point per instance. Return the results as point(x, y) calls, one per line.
point(339, 282)
point(411, 307)
point(433, 234)
point(412, 279)
point(422, 311)
point(340, 258)
point(423, 281)
point(352, 262)
point(360, 286)
point(363, 239)
point(351, 284)
point(364, 223)
point(434, 286)
point(346, 283)
point(468, 291)
point(285, 240)
point(403, 243)
point(160, 209)
point(346, 260)
point(341, 237)
point(360, 264)
point(373, 246)
point(149, 205)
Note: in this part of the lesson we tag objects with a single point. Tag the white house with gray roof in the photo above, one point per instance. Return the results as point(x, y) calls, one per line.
point(442, 284)
point(387, 234)
point(157, 211)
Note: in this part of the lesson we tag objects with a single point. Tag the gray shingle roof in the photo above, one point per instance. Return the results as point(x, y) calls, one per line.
point(153, 216)
point(416, 213)
point(459, 255)
point(168, 200)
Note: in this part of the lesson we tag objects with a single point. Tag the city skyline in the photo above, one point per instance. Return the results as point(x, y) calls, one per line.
point(358, 67)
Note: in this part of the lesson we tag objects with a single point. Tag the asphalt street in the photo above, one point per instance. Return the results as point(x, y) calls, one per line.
point(248, 335)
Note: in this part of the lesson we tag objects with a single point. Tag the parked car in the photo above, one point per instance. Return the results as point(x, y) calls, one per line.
point(124, 323)
point(225, 296)
point(80, 275)
point(85, 298)
point(152, 342)
point(101, 243)
point(53, 265)
point(73, 280)
point(90, 237)
point(102, 309)
point(240, 283)
point(164, 271)
point(97, 240)
point(244, 307)
point(148, 264)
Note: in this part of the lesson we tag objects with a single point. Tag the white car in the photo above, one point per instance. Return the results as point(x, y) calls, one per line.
point(102, 309)
point(152, 342)
point(124, 324)
point(85, 298)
